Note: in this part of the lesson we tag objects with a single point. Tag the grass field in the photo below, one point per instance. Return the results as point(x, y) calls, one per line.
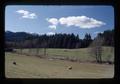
point(82, 54)
point(35, 67)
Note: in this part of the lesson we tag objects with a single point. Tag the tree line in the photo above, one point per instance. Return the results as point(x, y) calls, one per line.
point(51, 41)
point(70, 41)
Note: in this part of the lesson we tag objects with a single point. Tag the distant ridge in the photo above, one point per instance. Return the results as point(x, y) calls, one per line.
point(16, 36)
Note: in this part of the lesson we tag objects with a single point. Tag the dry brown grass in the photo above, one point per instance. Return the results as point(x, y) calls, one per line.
point(35, 67)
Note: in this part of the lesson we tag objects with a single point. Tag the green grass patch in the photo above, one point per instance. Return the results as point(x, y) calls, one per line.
point(82, 54)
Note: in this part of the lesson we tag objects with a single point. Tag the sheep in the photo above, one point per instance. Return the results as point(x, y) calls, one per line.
point(14, 63)
point(70, 68)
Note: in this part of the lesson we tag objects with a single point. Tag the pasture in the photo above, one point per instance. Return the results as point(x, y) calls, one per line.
point(82, 55)
point(35, 67)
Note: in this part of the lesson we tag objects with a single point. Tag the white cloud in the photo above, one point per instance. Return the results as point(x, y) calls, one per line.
point(52, 27)
point(27, 14)
point(50, 33)
point(81, 21)
point(53, 22)
point(77, 21)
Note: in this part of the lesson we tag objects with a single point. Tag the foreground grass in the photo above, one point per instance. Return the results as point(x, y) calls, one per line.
point(34, 67)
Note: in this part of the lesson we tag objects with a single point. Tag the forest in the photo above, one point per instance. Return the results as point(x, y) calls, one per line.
point(58, 40)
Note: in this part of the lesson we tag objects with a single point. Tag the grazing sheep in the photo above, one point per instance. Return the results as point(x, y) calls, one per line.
point(14, 63)
point(70, 68)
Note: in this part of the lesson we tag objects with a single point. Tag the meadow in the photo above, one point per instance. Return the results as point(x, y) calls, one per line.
point(82, 54)
point(36, 67)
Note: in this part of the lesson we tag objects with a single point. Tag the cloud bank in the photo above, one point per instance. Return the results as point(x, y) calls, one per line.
point(77, 21)
point(27, 14)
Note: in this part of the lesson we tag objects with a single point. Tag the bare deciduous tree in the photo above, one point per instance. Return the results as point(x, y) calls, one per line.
point(35, 42)
point(96, 49)
point(21, 47)
point(44, 45)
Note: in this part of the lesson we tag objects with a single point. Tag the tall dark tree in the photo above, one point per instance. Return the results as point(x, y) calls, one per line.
point(87, 40)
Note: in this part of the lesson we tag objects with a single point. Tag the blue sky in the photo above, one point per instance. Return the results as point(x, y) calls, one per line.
point(59, 19)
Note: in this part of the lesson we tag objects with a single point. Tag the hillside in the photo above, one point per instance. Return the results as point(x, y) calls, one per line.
point(16, 36)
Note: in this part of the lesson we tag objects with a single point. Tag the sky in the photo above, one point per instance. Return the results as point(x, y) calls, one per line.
point(51, 19)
